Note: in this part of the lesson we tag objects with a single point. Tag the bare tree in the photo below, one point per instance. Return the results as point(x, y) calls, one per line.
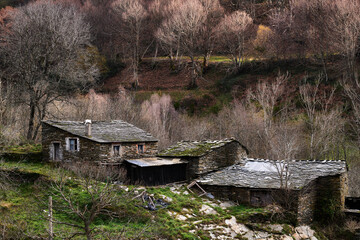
point(284, 147)
point(133, 14)
point(345, 26)
point(214, 13)
point(267, 95)
point(46, 56)
point(325, 124)
point(352, 90)
point(100, 194)
point(158, 11)
point(183, 29)
point(161, 117)
point(233, 32)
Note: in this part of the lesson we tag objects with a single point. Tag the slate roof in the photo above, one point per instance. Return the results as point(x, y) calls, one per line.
point(262, 174)
point(151, 162)
point(105, 131)
point(195, 148)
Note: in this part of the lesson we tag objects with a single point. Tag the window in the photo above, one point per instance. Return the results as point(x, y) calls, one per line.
point(72, 144)
point(116, 150)
point(140, 148)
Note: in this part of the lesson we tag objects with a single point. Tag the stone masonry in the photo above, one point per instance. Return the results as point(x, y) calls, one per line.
point(89, 150)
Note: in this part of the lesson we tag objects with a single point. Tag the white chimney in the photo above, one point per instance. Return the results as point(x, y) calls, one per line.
point(88, 127)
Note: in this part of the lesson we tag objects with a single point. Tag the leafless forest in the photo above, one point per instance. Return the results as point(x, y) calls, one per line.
point(54, 53)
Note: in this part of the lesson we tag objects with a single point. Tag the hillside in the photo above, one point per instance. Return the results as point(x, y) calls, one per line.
point(179, 213)
point(216, 87)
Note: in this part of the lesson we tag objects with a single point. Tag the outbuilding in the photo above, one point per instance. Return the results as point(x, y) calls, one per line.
point(206, 156)
point(310, 188)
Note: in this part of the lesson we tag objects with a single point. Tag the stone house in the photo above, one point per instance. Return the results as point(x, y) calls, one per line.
point(206, 156)
point(97, 141)
point(185, 161)
point(313, 187)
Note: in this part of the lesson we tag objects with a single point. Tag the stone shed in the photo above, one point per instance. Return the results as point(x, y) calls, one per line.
point(97, 141)
point(206, 156)
point(314, 187)
point(155, 171)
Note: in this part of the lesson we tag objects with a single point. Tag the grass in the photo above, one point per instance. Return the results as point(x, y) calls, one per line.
point(26, 203)
point(24, 149)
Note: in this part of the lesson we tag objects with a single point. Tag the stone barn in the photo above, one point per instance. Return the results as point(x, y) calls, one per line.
point(97, 141)
point(206, 156)
point(313, 187)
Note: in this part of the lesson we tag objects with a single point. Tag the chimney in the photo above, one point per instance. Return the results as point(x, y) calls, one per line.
point(88, 127)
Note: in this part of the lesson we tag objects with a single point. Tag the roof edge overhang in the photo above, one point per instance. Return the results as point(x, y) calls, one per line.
point(96, 140)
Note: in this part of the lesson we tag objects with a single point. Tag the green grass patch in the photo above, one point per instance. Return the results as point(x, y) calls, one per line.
point(23, 149)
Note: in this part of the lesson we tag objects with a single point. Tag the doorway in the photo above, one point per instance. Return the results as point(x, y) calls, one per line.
point(56, 153)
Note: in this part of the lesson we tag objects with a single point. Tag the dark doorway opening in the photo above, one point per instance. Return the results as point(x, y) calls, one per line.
point(56, 156)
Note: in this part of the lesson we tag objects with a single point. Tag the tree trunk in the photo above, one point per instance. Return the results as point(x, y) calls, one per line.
point(155, 54)
point(31, 120)
point(194, 74)
point(87, 231)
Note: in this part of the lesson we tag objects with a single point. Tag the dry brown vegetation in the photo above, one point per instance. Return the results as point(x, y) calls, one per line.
point(122, 42)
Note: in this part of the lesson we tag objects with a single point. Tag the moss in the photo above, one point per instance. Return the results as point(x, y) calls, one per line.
point(287, 229)
point(198, 150)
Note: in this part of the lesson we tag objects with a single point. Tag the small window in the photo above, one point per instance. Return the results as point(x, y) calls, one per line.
point(140, 148)
point(73, 146)
point(116, 150)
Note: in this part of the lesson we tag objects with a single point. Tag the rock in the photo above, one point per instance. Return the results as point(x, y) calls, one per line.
point(166, 198)
point(207, 210)
point(261, 235)
point(185, 210)
point(172, 189)
point(209, 227)
point(237, 228)
point(249, 236)
point(305, 232)
point(212, 236)
point(171, 213)
point(285, 237)
point(197, 222)
point(275, 227)
point(181, 217)
point(296, 236)
point(227, 204)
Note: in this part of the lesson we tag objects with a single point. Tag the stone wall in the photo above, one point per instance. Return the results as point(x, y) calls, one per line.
point(231, 153)
point(253, 197)
point(322, 199)
point(329, 202)
point(240, 195)
point(306, 206)
point(90, 150)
